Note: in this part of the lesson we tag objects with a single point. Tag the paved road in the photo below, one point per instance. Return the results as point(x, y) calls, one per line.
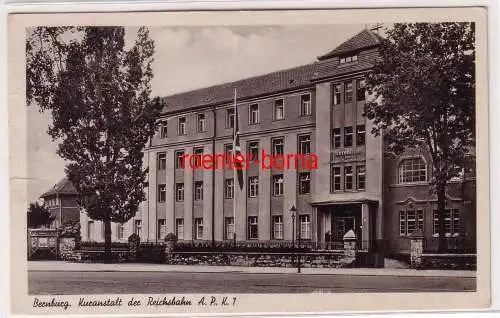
point(67, 283)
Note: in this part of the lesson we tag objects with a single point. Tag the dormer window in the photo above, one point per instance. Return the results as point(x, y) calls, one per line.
point(348, 59)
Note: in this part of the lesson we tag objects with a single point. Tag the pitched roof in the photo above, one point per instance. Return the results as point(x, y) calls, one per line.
point(275, 82)
point(282, 80)
point(363, 40)
point(62, 187)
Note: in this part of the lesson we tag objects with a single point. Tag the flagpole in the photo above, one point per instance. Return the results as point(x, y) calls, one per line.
point(213, 177)
point(235, 123)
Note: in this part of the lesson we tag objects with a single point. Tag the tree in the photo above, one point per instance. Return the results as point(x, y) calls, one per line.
point(423, 89)
point(98, 92)
point(38, 215)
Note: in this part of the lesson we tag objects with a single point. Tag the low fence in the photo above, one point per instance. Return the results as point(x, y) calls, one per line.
point(249, 253)
point(257, 246)
point(423, 258)
point(453, 245)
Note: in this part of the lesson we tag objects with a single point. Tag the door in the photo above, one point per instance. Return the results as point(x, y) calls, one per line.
point(341, 225)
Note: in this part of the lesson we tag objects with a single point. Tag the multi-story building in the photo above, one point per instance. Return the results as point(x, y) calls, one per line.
point(315, 108)
point(61, 202)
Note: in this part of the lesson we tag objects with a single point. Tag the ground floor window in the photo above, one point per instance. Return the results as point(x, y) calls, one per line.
point(198, 223)
point(451, 222)
point(90, 230)
point(305, 226)
point(162, 229)
point(253, 230)
point(278, 227)
point(119, 231)
point(229, 228)
point(410, 221)
point(179, 228)
point(138, 227)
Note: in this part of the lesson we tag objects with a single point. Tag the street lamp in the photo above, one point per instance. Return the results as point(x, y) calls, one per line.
point(293, 211)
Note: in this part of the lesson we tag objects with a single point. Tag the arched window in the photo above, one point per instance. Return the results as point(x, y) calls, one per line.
point(412, 170)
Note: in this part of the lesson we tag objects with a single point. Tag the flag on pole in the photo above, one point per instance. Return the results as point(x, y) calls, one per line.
point(237, 153)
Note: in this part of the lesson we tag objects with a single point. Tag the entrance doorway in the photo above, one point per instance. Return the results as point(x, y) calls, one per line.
point(341, 225)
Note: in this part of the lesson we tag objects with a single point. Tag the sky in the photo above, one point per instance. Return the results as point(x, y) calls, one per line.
point(196, 57)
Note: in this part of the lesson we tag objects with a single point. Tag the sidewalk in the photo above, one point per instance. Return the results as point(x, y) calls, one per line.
point(135, 267)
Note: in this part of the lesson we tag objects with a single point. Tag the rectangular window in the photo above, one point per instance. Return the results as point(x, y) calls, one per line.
point(360, 135)
point(182, 126)
point(305, 144)
point(198, 190)
point(179, 228)
point(253, 229)
point(279, 109)
point(138, 227)
point(277, 227)
point(412, 170)
point(103, 226)
point(360, 177)
point(162, 192)
point(253, 150)
point(119, 231)
point(305, 226)
point(336, 138)
point(179, 192)
point(90, 230)
point(202, 123)
point(337, 94)
point(348, 92)
point(230, 118)
point(198, 153)
point(253, 117)
point(253, 187)
point(451, 222)
point(278, 187)
point(277, 146)
point(305, 105)
point(304, 182)
point(347, 136)
point(198, 223)
point(228, 150)
point(228, 228)
point(410, 221)
point(337, 179)
point(162, 229)
point(163, 129)
point(348, 59)
point(348, 177)
point(229, 188)
point(179, 159)
point(360, 90)
point(162, 160)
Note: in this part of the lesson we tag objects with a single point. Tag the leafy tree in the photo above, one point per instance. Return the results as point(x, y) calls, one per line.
point(38, 215)
point(98, 92)
point(424, 96)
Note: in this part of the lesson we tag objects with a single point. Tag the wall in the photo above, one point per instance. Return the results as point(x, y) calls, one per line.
point(399, 197)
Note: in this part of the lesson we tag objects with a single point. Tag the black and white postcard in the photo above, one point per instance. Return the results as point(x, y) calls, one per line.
point(249, 162)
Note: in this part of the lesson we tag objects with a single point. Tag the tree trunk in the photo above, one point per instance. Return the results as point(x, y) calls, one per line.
point(441, 197)
point(107, 241)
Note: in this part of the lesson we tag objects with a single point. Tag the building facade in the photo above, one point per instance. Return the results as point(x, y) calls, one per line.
point(61, 202)
point(315, 108)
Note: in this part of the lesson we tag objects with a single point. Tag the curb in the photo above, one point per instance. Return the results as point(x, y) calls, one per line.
point(421, 275)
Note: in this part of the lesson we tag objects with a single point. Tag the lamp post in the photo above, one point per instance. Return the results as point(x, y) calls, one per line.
point(293, 211)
